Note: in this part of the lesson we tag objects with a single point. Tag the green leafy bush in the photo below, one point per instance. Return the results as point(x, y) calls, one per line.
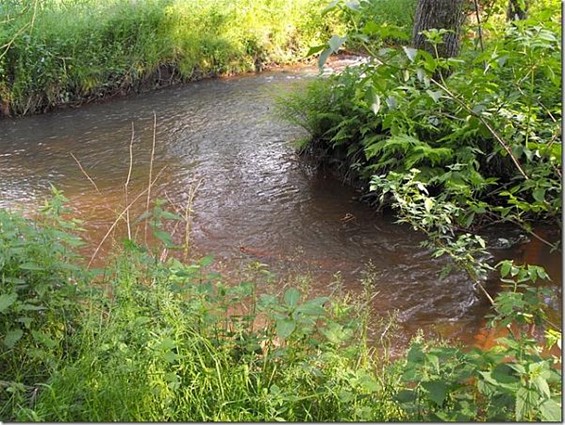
point(488, 134)
point(39, 295)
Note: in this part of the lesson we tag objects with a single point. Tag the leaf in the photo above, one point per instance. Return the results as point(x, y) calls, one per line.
point(12, 337)
point(551, 411)
point(206, 261)
point(435, 95)
point(428, 204)
point(505, 268)
point(410, 53)
point(315, 49)
point(437, 391)
point(285, 327)
point(6, 300)
point(539, 194)
point(526, 401)
point(376, 105)
point(164, 237)
point(31, 266)
point(291, 297)
point(324, 57)
point(335, 43)
point(541, 384)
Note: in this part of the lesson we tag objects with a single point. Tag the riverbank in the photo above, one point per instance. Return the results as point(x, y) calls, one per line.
point(149, 338)
point(58, 54)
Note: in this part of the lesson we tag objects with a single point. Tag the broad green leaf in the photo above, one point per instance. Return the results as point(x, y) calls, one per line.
point(437, 391)
point(164, 237)
point(335, 43)
point(285, 327)
point(526, 401)
point(539, 194)
point(541, 384)
point(551, 411)
point(12, 337)
point(206, 261)
point(291, 297)
point(410, 53)
point(505, 268)
point(324, 57)
point(428, 204)
point(315, 49)
point(6, 300)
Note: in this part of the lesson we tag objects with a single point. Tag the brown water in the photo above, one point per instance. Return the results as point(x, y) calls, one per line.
point(256, 200)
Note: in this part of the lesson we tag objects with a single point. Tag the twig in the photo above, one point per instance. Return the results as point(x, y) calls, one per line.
point(116, 221)
point(151, 170)
point(485, 123)
point(86, 174)
point(128, 178)
point(479, 27)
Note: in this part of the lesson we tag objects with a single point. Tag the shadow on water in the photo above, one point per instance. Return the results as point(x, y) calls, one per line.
point(257, 201)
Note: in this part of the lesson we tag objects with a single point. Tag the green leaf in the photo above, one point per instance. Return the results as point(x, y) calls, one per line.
point(324, 57)
point(335, 43)
point(428, 204)
point(6, 300)
point(551, 411)
point(541, 385)
point(315, 49)
point(410, 53)
point(164, 237)
point(285, 327)
point(12, 337)
point(206, 261)
point(539, 194)
point(406, 396)
point(291, 297)
point(31, 266)
point(526, 401)
point(437, 391)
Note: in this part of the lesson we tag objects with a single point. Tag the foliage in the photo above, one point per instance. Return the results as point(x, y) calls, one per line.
point(55, 53)
point(40, 285)
point(513, 381)
point(161, 340)
point(173, 342)
point(488, 135)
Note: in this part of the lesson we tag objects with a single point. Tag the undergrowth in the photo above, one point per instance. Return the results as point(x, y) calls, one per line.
point(149, 339)
point(488, 134)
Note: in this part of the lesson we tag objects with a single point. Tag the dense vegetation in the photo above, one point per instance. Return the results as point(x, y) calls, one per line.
point(55, 52)
point(482, 128)
point(451, 144)
point(148, 338)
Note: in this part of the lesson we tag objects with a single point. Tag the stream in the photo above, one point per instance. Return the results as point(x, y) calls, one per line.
point(254, 198)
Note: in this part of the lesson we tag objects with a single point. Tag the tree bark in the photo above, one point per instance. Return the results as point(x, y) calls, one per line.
point(439, 14)
point(517, 10)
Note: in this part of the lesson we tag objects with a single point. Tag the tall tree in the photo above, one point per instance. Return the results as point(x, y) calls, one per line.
point(439, 14)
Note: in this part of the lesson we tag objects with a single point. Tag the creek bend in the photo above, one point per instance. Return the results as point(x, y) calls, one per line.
point(256, 199)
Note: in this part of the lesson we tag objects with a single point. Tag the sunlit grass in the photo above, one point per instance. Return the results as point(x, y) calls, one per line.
point(58, 52)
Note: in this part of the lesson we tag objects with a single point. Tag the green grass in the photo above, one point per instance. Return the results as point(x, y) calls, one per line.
point(55, 53)
point(144, 339)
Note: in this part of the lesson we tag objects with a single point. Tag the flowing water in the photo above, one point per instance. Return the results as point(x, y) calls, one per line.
point(255, 199)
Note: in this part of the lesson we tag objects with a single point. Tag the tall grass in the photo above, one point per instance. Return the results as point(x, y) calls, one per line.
point(160, 340)
point(54, 52)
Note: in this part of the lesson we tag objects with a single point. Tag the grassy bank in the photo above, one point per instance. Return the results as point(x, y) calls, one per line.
point(152, 339)
point(56, 53)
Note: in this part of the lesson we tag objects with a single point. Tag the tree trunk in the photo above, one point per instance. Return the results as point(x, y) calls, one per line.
point(517, 10)
point(439, 14)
